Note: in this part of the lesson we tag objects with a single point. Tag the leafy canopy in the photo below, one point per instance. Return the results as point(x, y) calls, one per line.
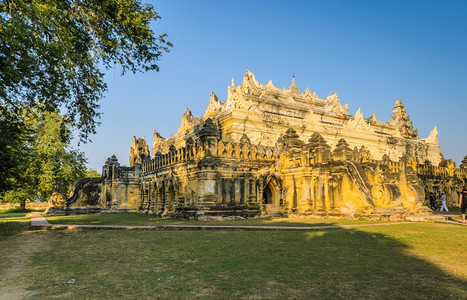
point(52, 53)
point(45, 158)
point(13, 140)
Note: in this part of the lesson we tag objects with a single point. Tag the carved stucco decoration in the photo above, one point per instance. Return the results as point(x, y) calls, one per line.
point(188, 120)
point(464, 163)
point(433, 137)
point(214, 106)
point(157, 141)
point(139, 151)
point(401, 121)
point(357, 122)
point(293, 87)
point(335, 106)
point(250, 85)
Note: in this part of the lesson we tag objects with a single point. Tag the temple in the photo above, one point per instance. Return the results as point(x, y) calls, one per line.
point(269, 151)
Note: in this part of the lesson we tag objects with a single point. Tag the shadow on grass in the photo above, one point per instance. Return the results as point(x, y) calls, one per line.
point(12, 223)
point(249, 264)
point(151, 220)
point(313, 221)
point(362, 264)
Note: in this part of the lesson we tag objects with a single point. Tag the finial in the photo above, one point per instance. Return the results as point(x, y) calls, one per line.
point(233, 82)
point(293, 86)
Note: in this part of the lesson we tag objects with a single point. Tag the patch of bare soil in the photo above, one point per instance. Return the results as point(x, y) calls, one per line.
point(16, 253)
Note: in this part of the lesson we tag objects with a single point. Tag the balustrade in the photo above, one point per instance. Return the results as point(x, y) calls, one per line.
point(258, 152)
point(225, 150)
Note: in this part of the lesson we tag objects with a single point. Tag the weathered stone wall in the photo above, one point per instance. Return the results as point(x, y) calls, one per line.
point(117, 190)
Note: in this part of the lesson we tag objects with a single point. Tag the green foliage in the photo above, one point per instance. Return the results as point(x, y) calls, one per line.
point(51, 52)
point(47, 158)
point(92, 173)
point(52, 58)
point(12, 139)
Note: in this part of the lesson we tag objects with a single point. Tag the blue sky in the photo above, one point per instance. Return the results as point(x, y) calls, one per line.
point(369, 52)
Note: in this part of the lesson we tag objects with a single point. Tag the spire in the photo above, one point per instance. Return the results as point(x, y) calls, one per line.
point(401, 120)
point(433, 137)
point(464, 163)
point(213, 97)
point(213, 107)
point(307, 94)
point(250, 85)
point(233, 82)
point(293, 86)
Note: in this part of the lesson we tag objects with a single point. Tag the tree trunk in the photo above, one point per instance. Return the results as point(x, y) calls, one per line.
point(22, 204)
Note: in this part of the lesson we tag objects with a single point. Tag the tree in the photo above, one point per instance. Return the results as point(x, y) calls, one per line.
point(92, 173)
point(52, 52)
point(53, 55)
point(47, 158)
point(12, 139)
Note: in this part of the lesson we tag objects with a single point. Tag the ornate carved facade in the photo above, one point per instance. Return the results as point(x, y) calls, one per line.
point(267, 150)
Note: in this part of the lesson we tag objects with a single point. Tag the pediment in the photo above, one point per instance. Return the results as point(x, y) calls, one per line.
point(333, 105)
point(358, 123)
point(213, 108)
point(433, 137)
point(188, 122)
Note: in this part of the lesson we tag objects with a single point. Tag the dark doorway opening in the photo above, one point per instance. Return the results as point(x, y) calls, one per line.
point(270, 199)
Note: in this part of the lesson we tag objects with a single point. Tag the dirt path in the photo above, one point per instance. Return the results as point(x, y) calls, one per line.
point(16, 253)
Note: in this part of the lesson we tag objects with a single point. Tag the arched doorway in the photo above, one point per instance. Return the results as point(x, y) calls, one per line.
point(271, 197)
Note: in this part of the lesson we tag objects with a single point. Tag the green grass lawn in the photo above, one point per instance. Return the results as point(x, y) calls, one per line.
point(404, 261)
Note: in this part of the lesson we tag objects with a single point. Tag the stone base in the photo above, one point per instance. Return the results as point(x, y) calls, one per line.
point(241, 211)
point(118, 211)
point(216, 211)
point(54, 211)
